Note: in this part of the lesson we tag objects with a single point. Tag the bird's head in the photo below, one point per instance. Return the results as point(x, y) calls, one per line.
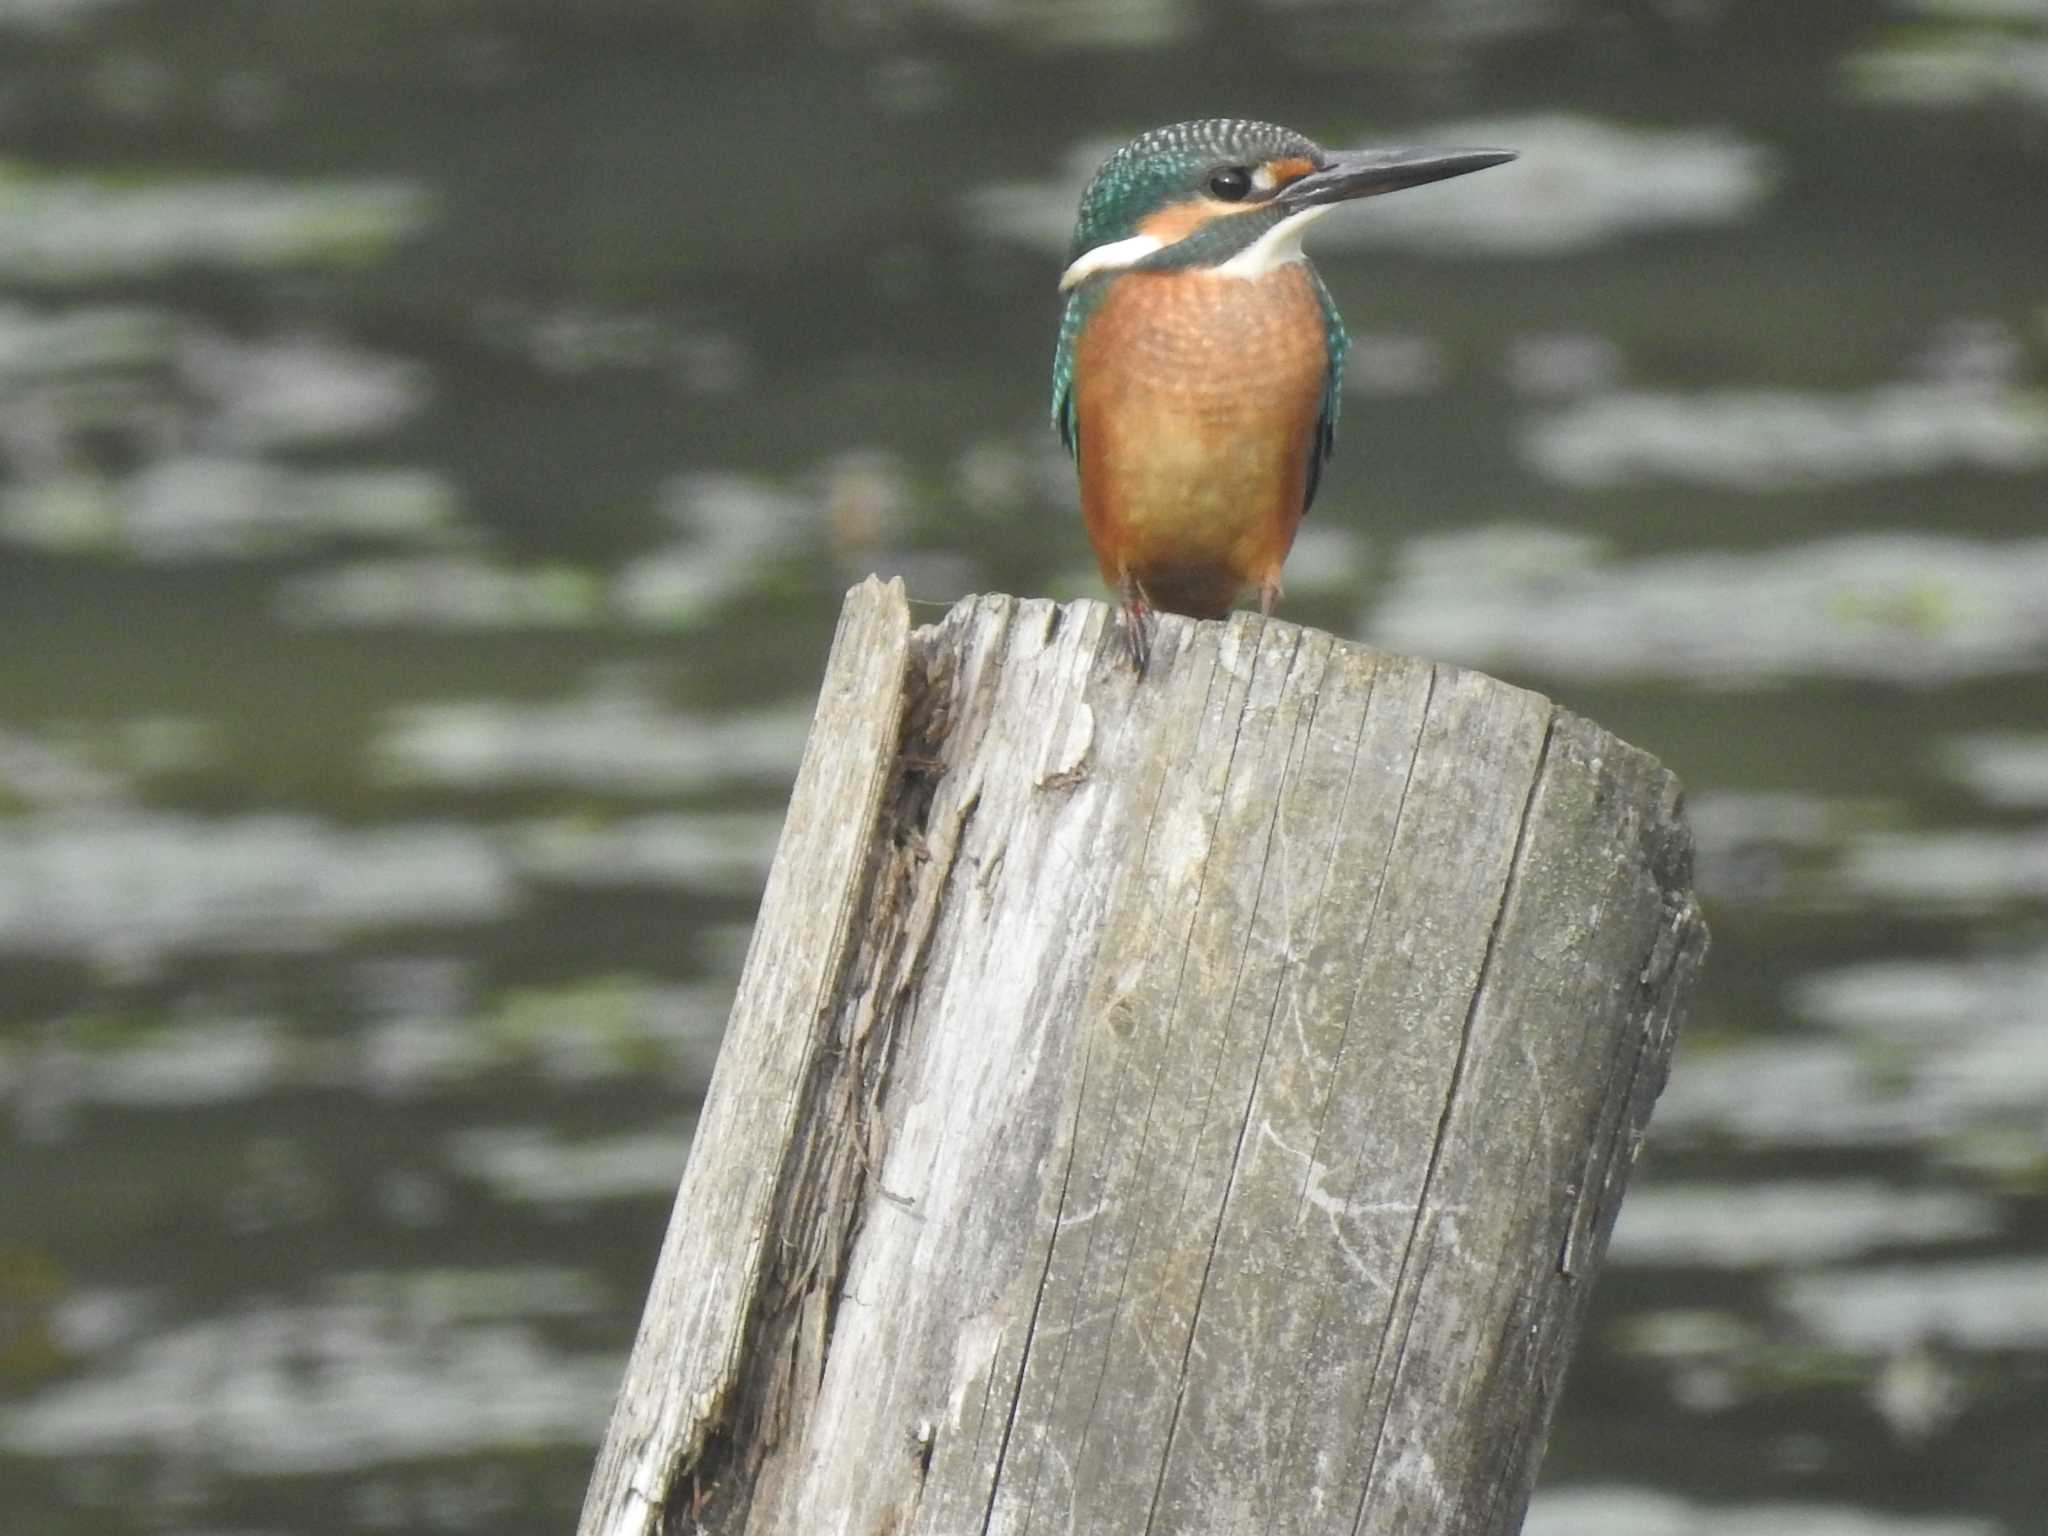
point(1233, 195)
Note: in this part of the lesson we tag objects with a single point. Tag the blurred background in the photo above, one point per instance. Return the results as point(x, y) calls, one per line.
point(436, 437)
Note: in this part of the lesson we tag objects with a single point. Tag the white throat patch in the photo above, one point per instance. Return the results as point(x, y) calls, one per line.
point(1275, 248)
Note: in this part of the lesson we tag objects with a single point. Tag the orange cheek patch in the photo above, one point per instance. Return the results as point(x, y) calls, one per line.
point(1183, 219)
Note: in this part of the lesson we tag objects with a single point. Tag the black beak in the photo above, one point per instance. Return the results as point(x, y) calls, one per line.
point(1369, 172)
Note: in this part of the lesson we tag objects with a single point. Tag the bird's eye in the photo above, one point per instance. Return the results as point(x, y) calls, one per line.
point(1231, 183)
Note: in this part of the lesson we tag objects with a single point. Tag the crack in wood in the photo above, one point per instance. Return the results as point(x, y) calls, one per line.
point(995, 1486)
point(1303, 729)
point(1452, 1103)
point(837, 1149)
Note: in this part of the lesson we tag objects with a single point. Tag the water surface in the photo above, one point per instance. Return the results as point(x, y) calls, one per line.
point(435, 440)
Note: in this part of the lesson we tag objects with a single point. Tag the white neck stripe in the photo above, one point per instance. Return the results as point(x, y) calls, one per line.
point(1275, 248)
point(1116, 256)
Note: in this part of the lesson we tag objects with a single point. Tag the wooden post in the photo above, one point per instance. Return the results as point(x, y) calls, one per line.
point(1188, 1104)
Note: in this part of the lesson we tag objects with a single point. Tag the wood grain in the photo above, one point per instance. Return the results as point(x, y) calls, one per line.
point(1188, 1104)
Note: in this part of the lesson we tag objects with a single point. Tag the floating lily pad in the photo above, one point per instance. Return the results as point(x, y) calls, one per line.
point(62, 229)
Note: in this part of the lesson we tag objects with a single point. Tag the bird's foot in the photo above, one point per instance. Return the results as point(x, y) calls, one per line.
point(1269, 596)
point(1137, 623)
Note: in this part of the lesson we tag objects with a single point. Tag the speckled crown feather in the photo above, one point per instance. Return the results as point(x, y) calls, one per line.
point(1165, 165)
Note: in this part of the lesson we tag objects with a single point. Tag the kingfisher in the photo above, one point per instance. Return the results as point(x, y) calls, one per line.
point(1200, 357)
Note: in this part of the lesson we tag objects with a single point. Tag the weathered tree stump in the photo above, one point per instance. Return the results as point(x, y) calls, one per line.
point(1188, 1104)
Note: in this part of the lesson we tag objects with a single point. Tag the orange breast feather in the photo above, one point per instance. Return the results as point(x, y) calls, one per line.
point(1196, 399)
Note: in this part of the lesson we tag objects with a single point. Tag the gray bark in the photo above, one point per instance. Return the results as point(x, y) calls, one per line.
point(1189, 1103)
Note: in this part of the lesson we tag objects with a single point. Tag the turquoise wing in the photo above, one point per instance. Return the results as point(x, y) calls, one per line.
point(1071, 319)
point(1336, 342)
